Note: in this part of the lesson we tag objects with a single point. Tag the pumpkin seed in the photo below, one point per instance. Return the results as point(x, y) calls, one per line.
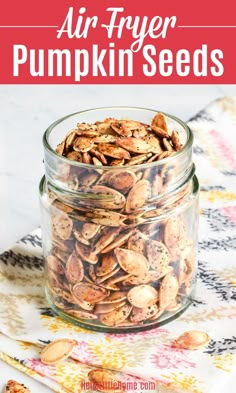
point(193, 339)
point(90, 293)
point(157, 254)
point(142, 314)
point(113, 151)
point(62, 225)
point(74, 270)
point(102, 378)
point(116, 316)
point(131, 261)
point(168, 290)
point(83, 144)
point(138, 195)
point(107, 264)
point(142, 296)
point(134, 145)
point(57, 351)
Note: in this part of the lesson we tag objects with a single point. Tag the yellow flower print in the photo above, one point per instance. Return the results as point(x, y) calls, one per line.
point(70, 375)
point(112, 355)
point(215, 195)
point(19, 366)
point(25, 345)
point(55, 324)
point(183, 382)
point(224, 362)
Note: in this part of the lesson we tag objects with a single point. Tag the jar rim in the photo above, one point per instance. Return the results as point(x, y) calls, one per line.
point(188, 144)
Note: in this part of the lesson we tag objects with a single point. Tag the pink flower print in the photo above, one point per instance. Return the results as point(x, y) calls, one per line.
point(39, 367)
point(81, 353)
point(169, 357)
point(230, 212)
point(226, 151)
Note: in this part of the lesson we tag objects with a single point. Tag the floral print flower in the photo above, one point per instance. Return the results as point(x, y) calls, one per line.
point(37, 365)
point(82, 353)
point(169, 357)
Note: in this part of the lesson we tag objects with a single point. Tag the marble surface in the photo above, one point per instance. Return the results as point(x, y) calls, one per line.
point(26, 111)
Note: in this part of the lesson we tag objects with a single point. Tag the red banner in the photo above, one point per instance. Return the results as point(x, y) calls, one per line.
point(117, 42)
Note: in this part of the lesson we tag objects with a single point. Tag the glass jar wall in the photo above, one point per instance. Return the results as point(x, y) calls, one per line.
point(119, 242)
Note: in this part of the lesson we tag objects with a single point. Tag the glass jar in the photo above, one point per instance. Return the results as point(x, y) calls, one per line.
point(120, 243)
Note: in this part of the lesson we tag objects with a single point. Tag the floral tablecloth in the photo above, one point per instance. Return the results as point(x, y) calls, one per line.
point(145, 361)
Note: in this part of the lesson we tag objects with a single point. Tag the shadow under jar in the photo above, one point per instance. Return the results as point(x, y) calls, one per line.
point(120, 242)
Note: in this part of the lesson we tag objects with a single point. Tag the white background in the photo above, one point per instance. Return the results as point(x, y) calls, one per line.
point(25, 113)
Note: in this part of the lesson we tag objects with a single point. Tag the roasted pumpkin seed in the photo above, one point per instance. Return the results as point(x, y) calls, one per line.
point(138, 195)
point(157, 254)
point(131, 261)
point(62, 225)
point(142, 296)
point(142, 314)
point(107, 264)
point(57, 351)
point(89, 230)
point(105, 308)
point(134, 145)
point(119, 241)
point(122, 181)
point(193, 339)
point(104, 379)
point(116, 316)
point(113, 151)
point(83, 144)
point(90, 293)
point(55, 264)
point(114, 298)
point(13, 386)
point(168, 290)
point(74, 270)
